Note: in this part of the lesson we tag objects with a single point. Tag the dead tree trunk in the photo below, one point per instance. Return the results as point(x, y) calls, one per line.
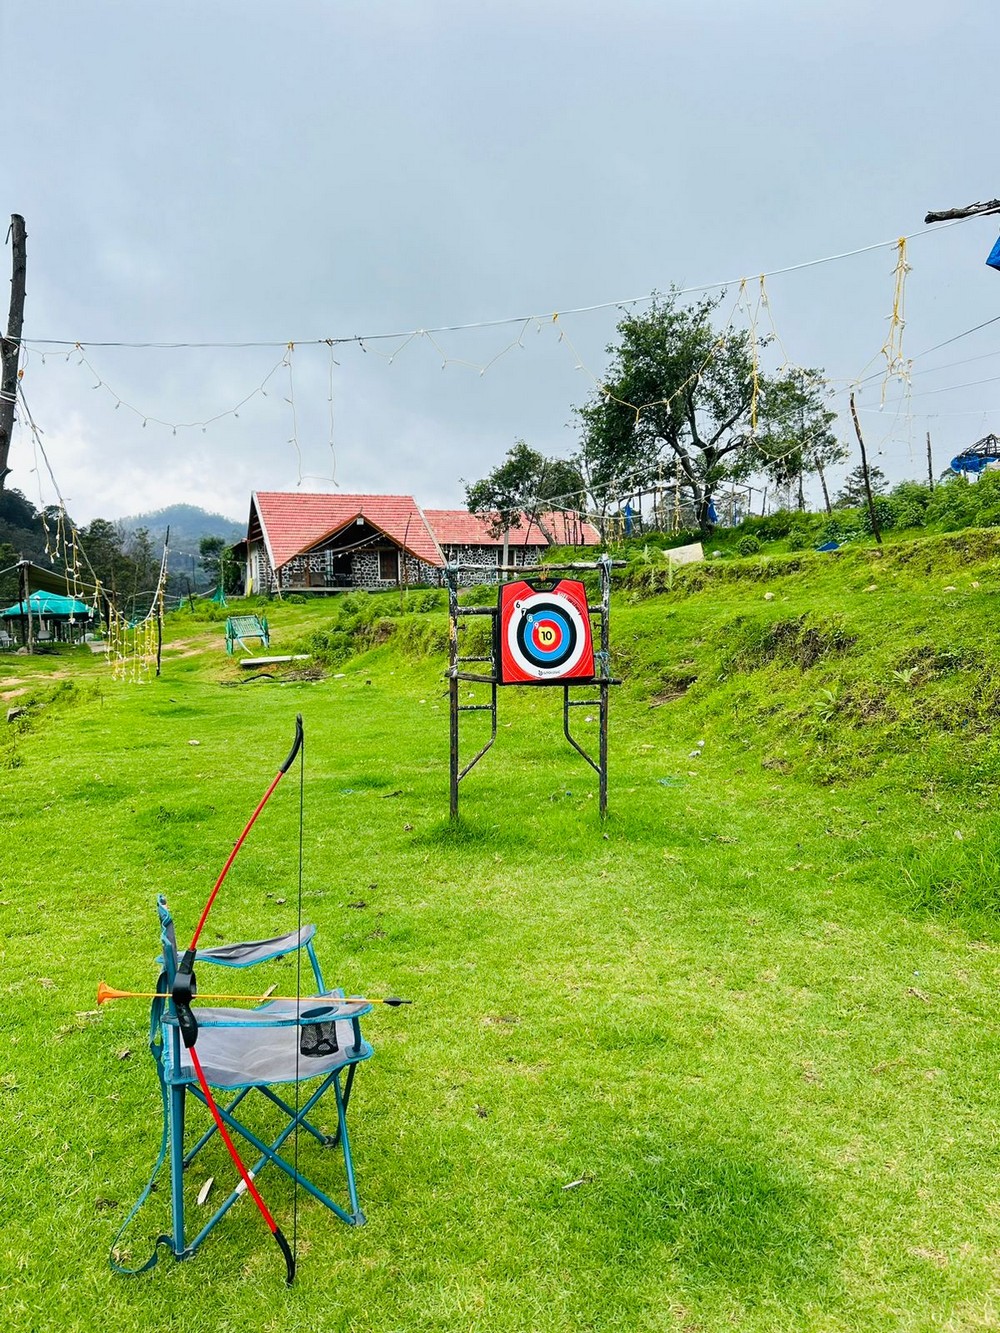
point(864, 472)
point(10, 346)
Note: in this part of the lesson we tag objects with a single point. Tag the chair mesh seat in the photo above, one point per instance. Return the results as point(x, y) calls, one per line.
point(243, 1051)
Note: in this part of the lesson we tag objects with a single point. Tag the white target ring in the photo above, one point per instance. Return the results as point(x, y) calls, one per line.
point(547, 636)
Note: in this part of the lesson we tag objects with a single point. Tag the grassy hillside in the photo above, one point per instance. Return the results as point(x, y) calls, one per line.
point(750, 1019)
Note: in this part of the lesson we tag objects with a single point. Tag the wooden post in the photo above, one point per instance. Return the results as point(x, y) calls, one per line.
point(930, 463)
point(969, 211)
point(864, 472)
point(826, 493)
point(159, 628)
point(22, 594)
point(10, 347)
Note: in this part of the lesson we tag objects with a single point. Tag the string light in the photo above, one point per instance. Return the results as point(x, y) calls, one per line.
point(408, 334)
point(148, 417)
point(892, 348)
point(131, 643)
point(891, 351)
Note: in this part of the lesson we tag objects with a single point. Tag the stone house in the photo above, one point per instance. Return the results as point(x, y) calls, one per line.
point(301, 542)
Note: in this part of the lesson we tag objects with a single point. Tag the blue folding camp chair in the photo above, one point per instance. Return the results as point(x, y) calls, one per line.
point(242, 1051)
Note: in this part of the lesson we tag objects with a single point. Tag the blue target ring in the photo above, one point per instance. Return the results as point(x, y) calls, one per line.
point(546, 636)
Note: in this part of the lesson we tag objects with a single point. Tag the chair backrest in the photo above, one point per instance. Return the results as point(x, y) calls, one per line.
point(168, 941)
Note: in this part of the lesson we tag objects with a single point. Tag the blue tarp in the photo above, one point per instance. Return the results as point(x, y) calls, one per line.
point(994, 256)
point(970, 463)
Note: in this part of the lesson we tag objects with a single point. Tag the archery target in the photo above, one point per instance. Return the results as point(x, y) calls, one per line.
point(545, 635)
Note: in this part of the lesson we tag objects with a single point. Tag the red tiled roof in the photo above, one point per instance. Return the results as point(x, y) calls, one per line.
point(457, 527)
point(293, 521)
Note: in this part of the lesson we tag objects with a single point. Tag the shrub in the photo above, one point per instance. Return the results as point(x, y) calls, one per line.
point(748, 545)
point(770, 527)
point(841, 526)
point(884, 513)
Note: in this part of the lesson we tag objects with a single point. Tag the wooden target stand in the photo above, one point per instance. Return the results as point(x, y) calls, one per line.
point(542, 636)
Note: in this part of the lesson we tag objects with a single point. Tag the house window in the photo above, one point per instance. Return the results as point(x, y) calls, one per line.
point(388, 566)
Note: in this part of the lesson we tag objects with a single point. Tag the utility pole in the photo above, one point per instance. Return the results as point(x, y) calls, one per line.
point(10, 347)
point(802, 439)
point(864, 472)
point(930, 463)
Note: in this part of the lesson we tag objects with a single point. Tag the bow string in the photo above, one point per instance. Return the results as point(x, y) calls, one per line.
point(185, 989)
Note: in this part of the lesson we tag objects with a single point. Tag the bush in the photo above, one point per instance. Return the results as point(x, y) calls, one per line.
point(841, 526)
point(884, 513)
point(748, 545)
point(430, 599)
point(906, 515)
point(770, 527)
point(957, 503)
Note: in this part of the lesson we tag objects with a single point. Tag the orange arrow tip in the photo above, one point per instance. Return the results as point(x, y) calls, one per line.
point(106, 992)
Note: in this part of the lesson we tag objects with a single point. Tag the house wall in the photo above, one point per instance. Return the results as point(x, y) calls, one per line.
point(489, 556)
point(314, 570)
point(365, 572)
point(259, 574)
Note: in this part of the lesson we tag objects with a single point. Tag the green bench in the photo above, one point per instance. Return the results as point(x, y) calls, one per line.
point(240, 628)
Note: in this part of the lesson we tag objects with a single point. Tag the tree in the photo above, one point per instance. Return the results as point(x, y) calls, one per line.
point(797, 438)
point(853, 494)
point(525, 484)
point(104, 544)
point(9, 589)
point(210, 556)
point(139, 549)
point(679, 398)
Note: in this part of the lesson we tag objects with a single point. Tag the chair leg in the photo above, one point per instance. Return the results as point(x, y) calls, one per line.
point(324, 1139)
point(270, 1154)
point(177, 1166)
point(358, 1215)
point(212, 1129)
point(332, 1140)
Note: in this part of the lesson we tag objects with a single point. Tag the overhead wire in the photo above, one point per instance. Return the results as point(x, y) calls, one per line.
point(410, 334)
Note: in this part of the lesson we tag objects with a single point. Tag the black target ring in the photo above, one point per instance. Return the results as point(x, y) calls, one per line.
point(546, 635)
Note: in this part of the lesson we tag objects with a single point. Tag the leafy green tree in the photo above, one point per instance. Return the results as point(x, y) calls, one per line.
point(797, 438)
point(139, 549)
point(909, 503)
point(525, 483)
point(680, 399)
point(104, 544)
point(852, 493)
point(8, 575)
point(211, 551)
point(21, 524)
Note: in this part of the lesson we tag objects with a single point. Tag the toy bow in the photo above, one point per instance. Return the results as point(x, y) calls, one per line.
point(184, 990)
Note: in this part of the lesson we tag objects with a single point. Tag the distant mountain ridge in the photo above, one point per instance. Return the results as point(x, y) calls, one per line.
point(187, 523)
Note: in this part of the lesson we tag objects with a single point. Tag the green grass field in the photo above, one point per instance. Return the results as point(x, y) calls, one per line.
point(754, 1013)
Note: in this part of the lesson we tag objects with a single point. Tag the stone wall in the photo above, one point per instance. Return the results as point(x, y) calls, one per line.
point(365, 572)
point(490, 556)
point(304, 571)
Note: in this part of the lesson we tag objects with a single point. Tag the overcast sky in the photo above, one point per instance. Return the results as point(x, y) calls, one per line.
point(239, 172)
